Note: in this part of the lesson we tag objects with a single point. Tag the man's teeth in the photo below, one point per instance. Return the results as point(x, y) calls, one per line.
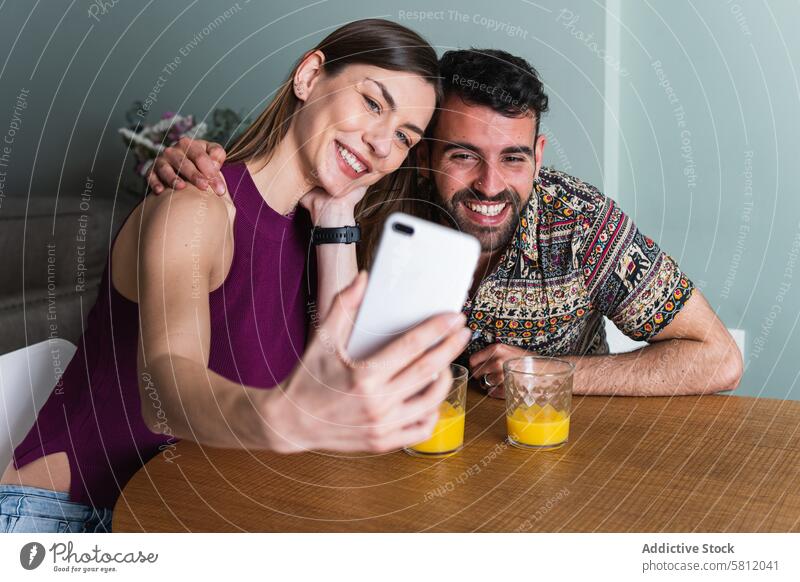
point(486, 209)
point(351, 160)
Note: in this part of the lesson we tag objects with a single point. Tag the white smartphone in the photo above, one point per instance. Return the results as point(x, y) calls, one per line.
point(421, 269)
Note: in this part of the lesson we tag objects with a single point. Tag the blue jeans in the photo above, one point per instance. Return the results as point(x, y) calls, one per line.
point(34, 510)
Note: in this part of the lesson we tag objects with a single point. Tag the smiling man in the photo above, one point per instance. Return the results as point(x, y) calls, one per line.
point(557, 255)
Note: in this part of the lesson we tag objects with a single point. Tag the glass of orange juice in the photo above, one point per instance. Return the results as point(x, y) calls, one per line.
point(448, 434)
point(538, 393)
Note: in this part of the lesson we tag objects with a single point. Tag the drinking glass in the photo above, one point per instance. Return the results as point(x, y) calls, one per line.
point(538, 393)
point(448, 434)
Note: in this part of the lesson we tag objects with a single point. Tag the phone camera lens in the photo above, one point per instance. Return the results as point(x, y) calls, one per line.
point(403, 228)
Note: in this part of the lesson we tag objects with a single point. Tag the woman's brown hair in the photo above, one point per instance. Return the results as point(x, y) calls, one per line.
point(376, 42)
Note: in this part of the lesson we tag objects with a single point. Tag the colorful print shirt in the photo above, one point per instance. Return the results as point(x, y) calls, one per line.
point(575, 256)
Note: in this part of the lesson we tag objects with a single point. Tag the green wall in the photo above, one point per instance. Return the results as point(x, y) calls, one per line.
point(708, 162)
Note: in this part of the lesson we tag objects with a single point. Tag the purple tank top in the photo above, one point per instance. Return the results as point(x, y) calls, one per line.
point(258, 333)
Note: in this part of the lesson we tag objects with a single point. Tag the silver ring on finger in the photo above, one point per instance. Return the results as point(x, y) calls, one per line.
point(487, 383)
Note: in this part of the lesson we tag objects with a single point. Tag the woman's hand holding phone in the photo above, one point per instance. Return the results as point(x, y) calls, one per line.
point(381, 404)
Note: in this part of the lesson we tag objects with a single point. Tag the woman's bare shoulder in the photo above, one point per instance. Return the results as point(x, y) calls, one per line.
point(201, 212)
point(174, 228)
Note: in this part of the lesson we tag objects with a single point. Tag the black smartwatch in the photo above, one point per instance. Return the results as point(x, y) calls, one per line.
point(340, 235)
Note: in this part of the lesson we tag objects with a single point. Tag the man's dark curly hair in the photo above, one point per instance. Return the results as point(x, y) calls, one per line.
point(497, 79)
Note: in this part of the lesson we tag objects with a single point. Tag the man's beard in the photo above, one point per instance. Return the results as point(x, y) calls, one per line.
point(492, 238)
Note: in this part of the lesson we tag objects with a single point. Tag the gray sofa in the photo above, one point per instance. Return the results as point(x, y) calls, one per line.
point(53, 254)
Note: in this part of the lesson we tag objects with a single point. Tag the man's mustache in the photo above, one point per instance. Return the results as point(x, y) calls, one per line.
point(507, 195)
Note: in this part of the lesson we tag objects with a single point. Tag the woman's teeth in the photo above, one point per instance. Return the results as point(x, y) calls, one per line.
point(486, 209)
point(351, 160)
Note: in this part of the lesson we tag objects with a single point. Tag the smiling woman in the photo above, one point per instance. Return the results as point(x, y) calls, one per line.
point(203, 301)
point(371, 76)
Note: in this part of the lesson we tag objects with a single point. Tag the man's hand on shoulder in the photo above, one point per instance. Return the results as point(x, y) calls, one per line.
point(189, 160)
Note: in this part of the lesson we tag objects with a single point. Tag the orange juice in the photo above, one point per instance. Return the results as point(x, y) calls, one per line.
point(538, 426)
point(448, 435)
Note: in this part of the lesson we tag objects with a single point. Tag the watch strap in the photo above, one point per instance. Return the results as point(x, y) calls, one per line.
point(339, 235)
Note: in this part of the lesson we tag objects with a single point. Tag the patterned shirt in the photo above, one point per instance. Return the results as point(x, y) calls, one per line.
point(575, 256)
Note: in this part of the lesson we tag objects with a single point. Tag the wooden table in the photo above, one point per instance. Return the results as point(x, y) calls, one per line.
point(709, 463)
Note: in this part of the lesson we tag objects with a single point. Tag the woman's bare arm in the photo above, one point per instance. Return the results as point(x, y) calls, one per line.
point(184, 252)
